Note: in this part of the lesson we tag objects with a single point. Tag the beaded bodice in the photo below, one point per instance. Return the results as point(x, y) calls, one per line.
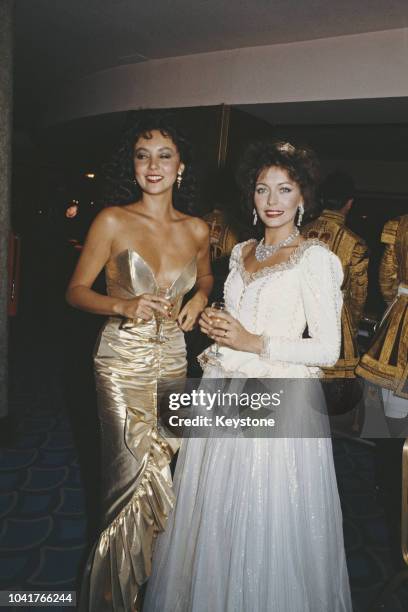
point(282, 300)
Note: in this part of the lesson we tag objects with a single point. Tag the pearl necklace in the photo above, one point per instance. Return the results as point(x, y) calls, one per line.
point(263, 252)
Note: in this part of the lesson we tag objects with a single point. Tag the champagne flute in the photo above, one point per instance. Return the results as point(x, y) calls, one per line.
point(215, 349)
point(166, 293)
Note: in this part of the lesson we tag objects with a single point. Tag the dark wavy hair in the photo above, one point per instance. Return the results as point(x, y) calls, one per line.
point(119, 175)
point(300, 163)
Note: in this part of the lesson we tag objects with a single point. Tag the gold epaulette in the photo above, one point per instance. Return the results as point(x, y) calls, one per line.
point(389, 232)
point(359, 240)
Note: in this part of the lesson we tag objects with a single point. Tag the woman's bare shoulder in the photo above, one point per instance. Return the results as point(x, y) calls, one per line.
point(246, 247)
point(198, 227)
point(107, 221)
point(111, 215)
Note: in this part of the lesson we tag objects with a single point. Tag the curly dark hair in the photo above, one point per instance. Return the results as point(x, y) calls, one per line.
point(119, 174)
point(300, 162)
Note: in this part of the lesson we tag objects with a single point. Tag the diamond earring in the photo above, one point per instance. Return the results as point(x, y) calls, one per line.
point(179, 179)
point(301, 211)
point(255, 221)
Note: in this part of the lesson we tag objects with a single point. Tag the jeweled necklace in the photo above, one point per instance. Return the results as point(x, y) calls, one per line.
point(263, 251)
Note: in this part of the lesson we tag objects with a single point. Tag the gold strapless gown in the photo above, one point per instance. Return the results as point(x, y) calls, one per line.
point(136, 479)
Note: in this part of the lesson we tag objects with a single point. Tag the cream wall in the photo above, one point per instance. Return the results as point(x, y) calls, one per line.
point(373, 65)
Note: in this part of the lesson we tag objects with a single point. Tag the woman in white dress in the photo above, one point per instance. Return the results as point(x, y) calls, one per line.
point(257, 525)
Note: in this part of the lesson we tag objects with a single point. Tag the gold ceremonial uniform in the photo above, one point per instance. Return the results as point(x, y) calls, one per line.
point(386, 361)
point(222, 237)
point(352, 250)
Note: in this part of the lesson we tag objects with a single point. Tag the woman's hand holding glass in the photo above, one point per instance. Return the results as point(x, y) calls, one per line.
point(228, 331)
point(143, 307)
point(167, 294)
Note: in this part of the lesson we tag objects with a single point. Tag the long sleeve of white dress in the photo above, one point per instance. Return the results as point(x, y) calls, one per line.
point(321, 277)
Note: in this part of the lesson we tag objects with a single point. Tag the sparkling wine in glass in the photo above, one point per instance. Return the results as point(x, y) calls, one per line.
point(166, 293)
point(215, 347)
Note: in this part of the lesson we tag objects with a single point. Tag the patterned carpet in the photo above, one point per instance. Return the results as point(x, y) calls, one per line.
point(43, 520)
point(43, 523)
point(365, 529)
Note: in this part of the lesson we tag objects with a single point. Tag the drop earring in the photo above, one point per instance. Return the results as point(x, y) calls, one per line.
point(179, 179)
point(301, 211)
point(255, 221)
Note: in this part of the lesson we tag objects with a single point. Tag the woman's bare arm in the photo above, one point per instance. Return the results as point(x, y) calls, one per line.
point(192, 310)
point(95, 253)
point(205, 279)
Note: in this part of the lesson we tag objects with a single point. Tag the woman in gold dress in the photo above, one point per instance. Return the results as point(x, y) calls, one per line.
point(145, 246)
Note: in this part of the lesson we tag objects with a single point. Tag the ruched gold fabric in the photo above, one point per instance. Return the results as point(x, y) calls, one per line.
point(132, 372)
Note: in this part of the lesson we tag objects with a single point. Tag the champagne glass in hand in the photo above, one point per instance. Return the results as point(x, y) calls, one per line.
point(215, 347)
point(164, 292)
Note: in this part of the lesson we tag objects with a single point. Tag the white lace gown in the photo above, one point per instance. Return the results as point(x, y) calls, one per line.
point(257, 525)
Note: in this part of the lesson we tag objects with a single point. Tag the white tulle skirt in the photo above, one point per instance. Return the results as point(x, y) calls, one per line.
point(257, 527)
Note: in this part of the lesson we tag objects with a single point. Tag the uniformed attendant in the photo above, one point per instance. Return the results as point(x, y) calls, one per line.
point(386, 366)
point(386, 362)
